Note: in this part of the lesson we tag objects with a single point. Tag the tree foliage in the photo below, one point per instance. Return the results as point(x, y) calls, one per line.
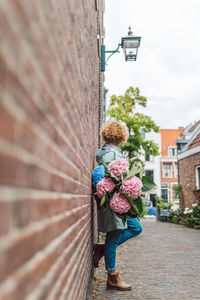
point(123, 108)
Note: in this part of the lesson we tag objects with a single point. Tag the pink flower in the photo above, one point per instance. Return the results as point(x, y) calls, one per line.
point(104, 185)
point(132, 187)
point(119, 203)
point(118, 166)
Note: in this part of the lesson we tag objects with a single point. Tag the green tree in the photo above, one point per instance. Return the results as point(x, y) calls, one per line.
point(123, 108)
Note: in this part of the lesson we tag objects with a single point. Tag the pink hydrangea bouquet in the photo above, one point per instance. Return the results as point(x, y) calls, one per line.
point(121, 185)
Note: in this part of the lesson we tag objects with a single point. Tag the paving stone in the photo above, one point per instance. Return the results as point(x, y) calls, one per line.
point(162, 263)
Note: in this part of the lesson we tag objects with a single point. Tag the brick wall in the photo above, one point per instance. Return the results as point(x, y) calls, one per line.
point(187, 177)
point(49, 120)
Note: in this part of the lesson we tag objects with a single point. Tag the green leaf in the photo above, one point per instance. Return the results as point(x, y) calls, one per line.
point(139, 203)
point(137, 206)
point(141, 173)
point(134, 210)
point(136, 161)
point(124, 174)
point(134, 170)
point(124, 219)
point(130, 199)
point(108, 175)
point(105, 165)
point(103, 200)
point(108, 196)
point(114, 177)
point(148, 184)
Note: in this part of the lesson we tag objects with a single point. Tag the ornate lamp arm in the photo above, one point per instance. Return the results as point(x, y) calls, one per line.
point(103, 55)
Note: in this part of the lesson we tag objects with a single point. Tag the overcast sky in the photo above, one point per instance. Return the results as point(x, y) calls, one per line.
point(167, 69)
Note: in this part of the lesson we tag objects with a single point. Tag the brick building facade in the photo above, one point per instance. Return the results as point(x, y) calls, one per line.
point(189, 169)
point(50, 114)
point(168, 163)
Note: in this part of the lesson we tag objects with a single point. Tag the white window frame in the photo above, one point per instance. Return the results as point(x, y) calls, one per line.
point(171, 148)
point(152, 170)
point(172, 191)
point(175, 170)
point(163, 170)
point(165, 185)
point(197, 176)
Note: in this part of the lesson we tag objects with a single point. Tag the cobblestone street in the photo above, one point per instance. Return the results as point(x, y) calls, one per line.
point(162, 263)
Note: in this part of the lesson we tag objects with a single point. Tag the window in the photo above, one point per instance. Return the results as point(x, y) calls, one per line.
point(149, 173)
point(175, 170)
point(153, 200)
point(147, 157)
point(174, 193)
point(164, 192)
point(197, 175)
point(167, 170)
point(172, 151)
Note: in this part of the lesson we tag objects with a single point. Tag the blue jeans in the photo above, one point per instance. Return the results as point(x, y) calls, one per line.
point(117, 237)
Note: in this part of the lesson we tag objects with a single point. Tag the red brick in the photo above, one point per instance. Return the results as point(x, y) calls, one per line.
point(24, 247)
point(187, 178)
point(68, 276)
point(29, 139)
point(5, 218)
point(7, 124)
point(15, 172)
point(22, 212)
point(56, 87)
point(27, 282)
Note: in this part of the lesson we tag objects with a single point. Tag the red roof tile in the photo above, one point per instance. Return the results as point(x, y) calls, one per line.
point(195, 142)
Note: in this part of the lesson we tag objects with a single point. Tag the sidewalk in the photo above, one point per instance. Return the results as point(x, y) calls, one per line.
point(162, 263)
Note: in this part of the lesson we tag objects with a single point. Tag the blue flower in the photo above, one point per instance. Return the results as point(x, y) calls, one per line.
point(98, 174)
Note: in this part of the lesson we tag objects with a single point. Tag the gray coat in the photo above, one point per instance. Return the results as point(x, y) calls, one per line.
point(107, 219)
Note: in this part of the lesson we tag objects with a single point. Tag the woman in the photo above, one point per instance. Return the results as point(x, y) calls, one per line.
point(113, 133)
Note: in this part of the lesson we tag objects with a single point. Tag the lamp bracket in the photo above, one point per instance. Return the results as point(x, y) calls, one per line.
point(113, 51)
point(103, 55)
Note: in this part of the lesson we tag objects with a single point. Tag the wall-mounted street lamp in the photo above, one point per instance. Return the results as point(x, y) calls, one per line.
point(129, 44)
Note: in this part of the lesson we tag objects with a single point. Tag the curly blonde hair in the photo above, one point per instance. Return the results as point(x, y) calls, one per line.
point(114, 132)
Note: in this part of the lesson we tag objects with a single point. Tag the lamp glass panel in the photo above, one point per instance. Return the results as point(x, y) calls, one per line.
point(131, 43)
point(132, 52)
point(131, 55)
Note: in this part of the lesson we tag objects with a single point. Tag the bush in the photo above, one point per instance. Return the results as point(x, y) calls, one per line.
point(161, 204)
point(176, 215)
point(189, 217)
point(192, 217)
